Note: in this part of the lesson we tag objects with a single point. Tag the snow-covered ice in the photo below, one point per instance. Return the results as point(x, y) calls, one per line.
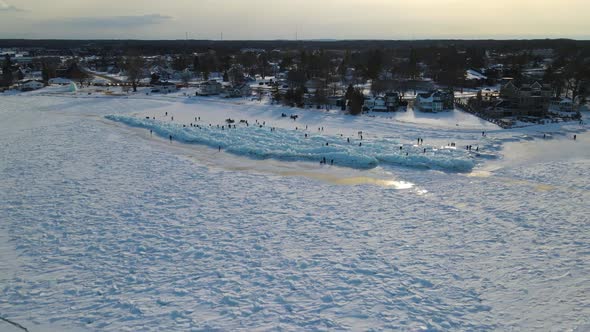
point(104, 228)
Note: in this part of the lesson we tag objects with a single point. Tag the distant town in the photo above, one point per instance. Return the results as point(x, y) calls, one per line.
point(509, 83)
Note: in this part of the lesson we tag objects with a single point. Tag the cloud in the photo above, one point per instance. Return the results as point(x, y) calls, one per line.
point(5, 7)
point(114, 21)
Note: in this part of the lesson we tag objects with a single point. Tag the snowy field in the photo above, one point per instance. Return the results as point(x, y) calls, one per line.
point(104, 227)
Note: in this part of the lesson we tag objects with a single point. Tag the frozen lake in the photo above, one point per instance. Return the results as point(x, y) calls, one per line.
point(104, 227)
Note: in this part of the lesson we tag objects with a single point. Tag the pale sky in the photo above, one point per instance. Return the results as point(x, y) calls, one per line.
point(281, 19)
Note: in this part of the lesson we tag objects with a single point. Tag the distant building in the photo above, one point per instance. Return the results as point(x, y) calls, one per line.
point(434, 101)
point(31, 85)
point(392, 101)
point(209, 88)
point(526, 99)
point(59, 81)
point(164, 87)
point(315, 83)
point(375, 104)
point(562, 104)
point(239, 90)
point(337, 101)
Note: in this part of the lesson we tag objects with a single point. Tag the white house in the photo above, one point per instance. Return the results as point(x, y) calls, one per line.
point(430, 102)
point(209, 88)
point(31, 85)
point(376, 104)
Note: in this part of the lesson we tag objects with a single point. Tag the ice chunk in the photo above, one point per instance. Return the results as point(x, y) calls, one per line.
point(292, 145)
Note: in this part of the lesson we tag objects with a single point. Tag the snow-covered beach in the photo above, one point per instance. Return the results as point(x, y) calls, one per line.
point(104, 227)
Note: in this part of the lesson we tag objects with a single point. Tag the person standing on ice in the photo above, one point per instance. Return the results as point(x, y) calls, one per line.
point(219, 149)
point(150, 132)
point(170, 138)
point(575, 136)
point(348, 139)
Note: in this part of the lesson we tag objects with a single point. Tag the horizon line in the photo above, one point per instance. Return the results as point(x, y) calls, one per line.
point(299, 40)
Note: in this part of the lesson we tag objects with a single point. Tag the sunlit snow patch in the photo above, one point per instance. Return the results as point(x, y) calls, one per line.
point(290, 145)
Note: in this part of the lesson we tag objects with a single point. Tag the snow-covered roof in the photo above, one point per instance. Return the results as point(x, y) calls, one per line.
point(59, 80)
point(475, 75)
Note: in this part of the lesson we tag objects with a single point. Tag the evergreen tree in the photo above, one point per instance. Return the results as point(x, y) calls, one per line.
point(357, 100)
point(196, 64)
point(375, 64)
point(412, 69)
point(276, 95)
point(7, 76)
point(349, 92)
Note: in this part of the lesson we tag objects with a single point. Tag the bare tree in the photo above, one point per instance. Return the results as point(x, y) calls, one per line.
point(134, 68)
point(186, 77)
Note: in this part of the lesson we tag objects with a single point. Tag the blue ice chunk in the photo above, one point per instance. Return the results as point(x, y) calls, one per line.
point(291, 145)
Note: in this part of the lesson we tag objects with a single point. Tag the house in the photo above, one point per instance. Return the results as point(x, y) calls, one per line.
point(562, 104)
point(375, 104)
point(59, 81)
point(527, 99)
point(31, 85)
point(209, 88)
point(239, 90)
point(161, 72)
point(315, 83)
point(164, 87)
point(337, 101)
point(434, 101)
point(392, 101)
